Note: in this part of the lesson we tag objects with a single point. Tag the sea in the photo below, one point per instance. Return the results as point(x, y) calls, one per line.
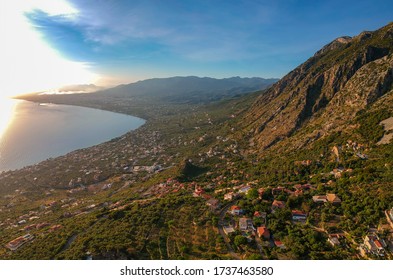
point(32, 132)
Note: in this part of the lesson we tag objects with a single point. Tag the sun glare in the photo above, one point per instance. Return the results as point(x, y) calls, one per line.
point(28, 63)
point(7, 110)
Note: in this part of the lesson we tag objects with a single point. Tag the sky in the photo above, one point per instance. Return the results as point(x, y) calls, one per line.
point(47, 44)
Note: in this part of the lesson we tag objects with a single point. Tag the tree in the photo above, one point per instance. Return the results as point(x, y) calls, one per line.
point(240, 240)
point(215, 221)
point(258, 221)
point(255, 257)
point(267, 194)
point(252, 194)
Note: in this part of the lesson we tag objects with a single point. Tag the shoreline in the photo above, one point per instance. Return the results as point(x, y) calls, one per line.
point(87, 100)
point(138, 119)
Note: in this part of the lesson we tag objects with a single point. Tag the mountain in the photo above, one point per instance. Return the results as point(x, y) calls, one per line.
point(325, 93)
point(186, 89)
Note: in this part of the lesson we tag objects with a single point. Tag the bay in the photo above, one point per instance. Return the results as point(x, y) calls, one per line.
point(32, 132)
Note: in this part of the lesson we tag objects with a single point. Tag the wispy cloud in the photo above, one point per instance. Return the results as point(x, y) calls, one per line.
point(132, 34)
point(212, 31)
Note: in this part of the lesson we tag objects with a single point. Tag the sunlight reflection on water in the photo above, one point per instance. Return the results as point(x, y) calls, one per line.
point(7, 113)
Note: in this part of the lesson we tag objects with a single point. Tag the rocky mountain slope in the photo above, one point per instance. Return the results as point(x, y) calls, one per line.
point(324, 93)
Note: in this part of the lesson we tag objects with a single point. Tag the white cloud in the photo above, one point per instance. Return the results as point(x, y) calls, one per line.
point(202, 34)
point(27, 63)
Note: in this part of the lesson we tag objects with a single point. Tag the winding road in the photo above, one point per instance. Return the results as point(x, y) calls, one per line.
point(221, 230)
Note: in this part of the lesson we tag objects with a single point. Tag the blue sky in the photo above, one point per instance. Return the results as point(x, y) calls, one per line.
point(121, 40)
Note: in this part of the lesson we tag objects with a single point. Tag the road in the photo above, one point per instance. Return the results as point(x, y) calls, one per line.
point(221, 230)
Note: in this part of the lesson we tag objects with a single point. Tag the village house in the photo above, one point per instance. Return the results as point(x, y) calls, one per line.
point(244, 189)
point(42, 225)
point(279, 244)
point(278, 190)
point(23, 217)
point(30, 227)
point(236, 210)
point(55, 227)
point(230, 196)
point(373, 245)
point(258, 214)
point(51, 203)
point(389, 216)
point(306, 162)
point(263, 232)
point(336, 151)
point(261, 191)
point(298, 216)
point(330, 197)
point(319, 198)
point(304, 187)
point(333, 198)
point(277, 204)
point(198, 191)
point(337, 172)
point(300, 189)
point(228, 229)
point(213, 203)
point(334, 239)
point(246, 224)
point(18, 242)
point(361, 155)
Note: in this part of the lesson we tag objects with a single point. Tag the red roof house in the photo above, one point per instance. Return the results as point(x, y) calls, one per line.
point(263, 232)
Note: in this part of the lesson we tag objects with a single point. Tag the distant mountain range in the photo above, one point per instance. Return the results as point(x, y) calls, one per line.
point(74, 89)
point(79, 89)
point(145, 98)
point(188, 89)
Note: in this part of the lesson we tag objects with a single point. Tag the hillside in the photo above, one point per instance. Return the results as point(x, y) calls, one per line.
point(326, 92)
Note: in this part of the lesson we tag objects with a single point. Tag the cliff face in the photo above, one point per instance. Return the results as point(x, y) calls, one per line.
point(328, 89)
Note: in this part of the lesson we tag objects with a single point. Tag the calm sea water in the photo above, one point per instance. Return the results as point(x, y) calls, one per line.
point(31, 132)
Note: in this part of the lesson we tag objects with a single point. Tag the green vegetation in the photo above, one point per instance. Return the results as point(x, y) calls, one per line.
point(369, 128)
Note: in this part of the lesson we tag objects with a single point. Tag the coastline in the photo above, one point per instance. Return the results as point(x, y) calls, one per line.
point(84, 144)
